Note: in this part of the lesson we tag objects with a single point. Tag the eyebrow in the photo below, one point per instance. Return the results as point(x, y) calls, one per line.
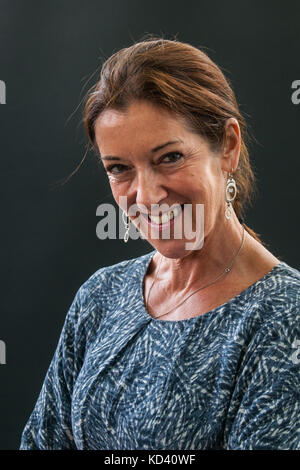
point(155, 149)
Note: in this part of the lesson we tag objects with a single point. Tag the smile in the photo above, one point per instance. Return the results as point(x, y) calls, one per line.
point(164, 219)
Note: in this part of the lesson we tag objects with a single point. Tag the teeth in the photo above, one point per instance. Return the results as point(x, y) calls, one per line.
point(166, 217)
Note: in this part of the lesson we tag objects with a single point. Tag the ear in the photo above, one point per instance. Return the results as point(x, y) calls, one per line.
point(231, 146)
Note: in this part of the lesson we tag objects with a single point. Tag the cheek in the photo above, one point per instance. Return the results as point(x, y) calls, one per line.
point(196, 186)
point(115, 190)
point(120, 196)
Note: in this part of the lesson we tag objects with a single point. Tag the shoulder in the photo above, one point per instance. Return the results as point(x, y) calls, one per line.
point(283, 287)
point(272, 304)
point(272, 327)
point(115, 277)
point(278, 294)
point(108, 274)
point(99, 293)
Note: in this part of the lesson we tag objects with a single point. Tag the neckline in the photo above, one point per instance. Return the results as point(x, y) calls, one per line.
point(145, 264)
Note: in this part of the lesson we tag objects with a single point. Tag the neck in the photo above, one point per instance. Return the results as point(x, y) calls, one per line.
point(221, 244)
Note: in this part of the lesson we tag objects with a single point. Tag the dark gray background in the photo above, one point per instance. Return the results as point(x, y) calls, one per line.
point(48, 53)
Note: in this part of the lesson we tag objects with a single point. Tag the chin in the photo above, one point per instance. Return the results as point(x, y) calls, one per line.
point(171, 249)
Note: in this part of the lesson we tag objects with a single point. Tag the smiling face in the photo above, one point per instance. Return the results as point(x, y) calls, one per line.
point(152, 158)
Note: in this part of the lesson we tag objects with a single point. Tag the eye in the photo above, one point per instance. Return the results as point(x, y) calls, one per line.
point(172, 156)
point(116, 169)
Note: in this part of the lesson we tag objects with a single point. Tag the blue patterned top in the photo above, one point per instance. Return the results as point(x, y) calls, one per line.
point(120, 379)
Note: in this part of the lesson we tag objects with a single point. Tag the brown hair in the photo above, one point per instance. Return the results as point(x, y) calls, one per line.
point(184, 80)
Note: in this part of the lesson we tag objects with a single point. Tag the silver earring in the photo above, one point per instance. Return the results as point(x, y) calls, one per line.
point(127, 226)
point(230, 194)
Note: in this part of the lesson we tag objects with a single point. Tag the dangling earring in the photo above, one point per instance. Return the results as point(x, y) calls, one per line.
point(127, 225)
point(230, 194)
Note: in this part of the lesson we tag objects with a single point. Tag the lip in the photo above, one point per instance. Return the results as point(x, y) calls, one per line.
point(165, 212)
point(161, 227)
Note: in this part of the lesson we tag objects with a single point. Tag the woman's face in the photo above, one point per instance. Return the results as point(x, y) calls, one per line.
point(152, 158)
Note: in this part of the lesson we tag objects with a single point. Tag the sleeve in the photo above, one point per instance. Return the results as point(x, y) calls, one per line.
point(49, 425)
point(268, 392)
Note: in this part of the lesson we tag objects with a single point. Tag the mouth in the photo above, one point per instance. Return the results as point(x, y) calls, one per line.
point(165, 219)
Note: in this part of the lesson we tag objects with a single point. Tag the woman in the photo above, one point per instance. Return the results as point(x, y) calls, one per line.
point(180, 348)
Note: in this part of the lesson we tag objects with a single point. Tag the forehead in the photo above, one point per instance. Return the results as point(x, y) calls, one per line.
point(142, 123)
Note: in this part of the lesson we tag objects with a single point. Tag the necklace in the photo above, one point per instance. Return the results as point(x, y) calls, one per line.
point(226, 270)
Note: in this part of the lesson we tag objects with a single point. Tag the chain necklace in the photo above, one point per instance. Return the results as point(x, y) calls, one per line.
point(226, 270)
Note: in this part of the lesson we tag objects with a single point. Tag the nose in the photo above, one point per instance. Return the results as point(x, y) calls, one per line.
point(150, 189)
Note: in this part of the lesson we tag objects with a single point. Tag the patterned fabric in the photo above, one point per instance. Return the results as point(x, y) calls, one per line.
point(120, 379)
